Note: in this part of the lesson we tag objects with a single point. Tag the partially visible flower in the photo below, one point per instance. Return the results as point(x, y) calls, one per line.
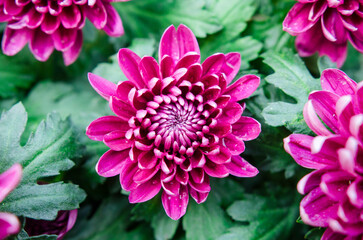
point(325, 26)
point(9, 223)
point(177, 122)
point(60, 226)
point(335, 188)
point(54, 24)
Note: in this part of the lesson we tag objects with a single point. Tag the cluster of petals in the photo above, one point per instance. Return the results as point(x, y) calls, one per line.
point(335, 188)
point(178, 122)
point(64, 222)
point(9, 223)
point(54, 24)
point(325, 26)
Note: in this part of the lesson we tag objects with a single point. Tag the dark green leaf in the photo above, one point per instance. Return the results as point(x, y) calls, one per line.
point(293, 78)
point(164, 227)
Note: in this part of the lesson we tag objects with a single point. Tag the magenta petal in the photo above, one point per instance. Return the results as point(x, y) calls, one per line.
point(129, 62)
point(149, 68)
point(112, 162)
point(147, 160)
point(121, 109)
point(335, 80)
point(176, 206)
point(97, 14)
point(14, 40)
point(231, 113)
point(243, 87)
point(246, 128)
point(324, 104)
point(70, 55)
point(187, 60)
point(202, 187)
point(64, 38)
point(104, 125)
point(113, 26)
point(297, 20)
point(335, 184)
point(355, 193)
point(70, 16)
point(216, 170)
point(169, 45)
point(187, 41)
point(329, 234)
point(127, 174)
point(299, 147)
point(333, 27)
point(235, 144)
point(41, 45)
point(353, 229)
point(316, 209)
point(10, 8)
point(241, 168)
point(145, 191)
point(213, 64)
point(313, 121)
point(9, 180)
point(50, 24)
point(310, 181)
point(199, 197)
point(231, 66)
point(117, 141)
point(9, 224)
point(143, 175)
point(171, 188)
point(102, 86)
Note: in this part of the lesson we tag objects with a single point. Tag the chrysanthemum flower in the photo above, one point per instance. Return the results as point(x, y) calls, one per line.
point(177, 122)
point(335, 188)
point(9, 223)
point(325, 26)
point(54, 24)
point(64, 222)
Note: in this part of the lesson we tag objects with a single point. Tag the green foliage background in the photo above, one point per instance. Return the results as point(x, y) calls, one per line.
point(47, 128)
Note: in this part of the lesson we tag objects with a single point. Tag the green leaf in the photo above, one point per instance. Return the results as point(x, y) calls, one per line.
point(112, 72)
point(324, 62)
point(45, 154)
point(164, 227)
point(233, 15)
point(154, 16)
point(261, 219)
point(15, 74)
point(293, 78)
point(205, 221)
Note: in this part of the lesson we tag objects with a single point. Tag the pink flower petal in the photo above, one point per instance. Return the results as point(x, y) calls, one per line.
point(113, 25)
point(316, 209)
point(313, 121)
point(231, 113)
point(335, 184)
point(127, 174)
point(199, 197)
point(9, 180)
point(97, 14)
point(121, 108)
point(50, 24)
point(187, 41)
point(70, 55)
point(171, 188)
point(231, 66)
point(241, 168)
point(246, 128)
point(145, 191)
point(243, 87)
point(41, 45)
point(149, 68)
point(9, 224)
point(71, 16)
point(129, 63)
point(14, 40)
point(117, 141)
point(112, 162)
point(213, 64)
point(102, 86)
point(335, 80)
point(216, 170)
point(143, 175)
point(355, 193)
point(64, 38)
point(104, 125)
point(333, 28)
point(297, 20)
point(310, 181)
point(235, 144)
point(324, 104)
point(176, 206)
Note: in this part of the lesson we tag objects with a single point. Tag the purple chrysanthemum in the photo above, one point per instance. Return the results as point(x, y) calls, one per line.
point(9, 223)
point(335, 189)
point(325, 26)
point(54, 24)
point(177, 122)
point(64, 222)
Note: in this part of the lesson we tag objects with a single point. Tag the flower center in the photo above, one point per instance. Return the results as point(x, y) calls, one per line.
point(178, 125)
